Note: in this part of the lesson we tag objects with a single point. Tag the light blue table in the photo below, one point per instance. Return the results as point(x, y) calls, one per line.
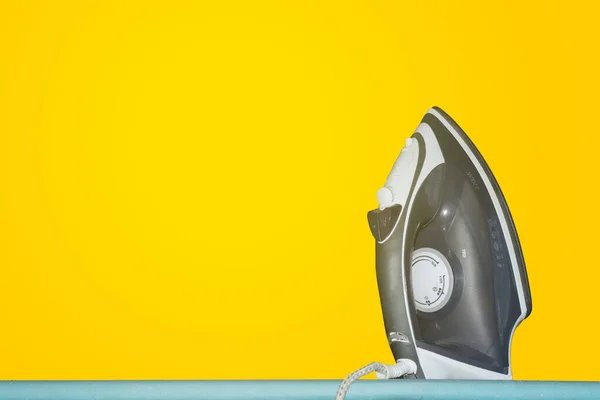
point(297, 390)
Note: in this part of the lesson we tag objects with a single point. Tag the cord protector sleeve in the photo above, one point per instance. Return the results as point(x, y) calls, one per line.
point(401, 368)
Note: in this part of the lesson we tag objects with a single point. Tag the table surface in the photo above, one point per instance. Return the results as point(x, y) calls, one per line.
point(297, 390)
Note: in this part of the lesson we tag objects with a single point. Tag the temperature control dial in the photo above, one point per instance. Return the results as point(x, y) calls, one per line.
point(432, 280)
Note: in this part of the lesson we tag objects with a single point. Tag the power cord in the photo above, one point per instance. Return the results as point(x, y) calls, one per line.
point(401, 368)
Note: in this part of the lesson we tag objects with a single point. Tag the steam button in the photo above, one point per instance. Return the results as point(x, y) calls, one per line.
point(385, 197)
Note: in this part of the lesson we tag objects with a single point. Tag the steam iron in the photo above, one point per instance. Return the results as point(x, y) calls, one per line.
point(450, 271)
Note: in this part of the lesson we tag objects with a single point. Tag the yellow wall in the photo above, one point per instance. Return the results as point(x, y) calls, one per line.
point(184, 186)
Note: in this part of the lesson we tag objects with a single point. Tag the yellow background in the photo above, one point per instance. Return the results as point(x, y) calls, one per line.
point(184, 185)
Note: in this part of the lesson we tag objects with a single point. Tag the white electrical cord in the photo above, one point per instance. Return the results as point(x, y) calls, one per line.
point(401, 368)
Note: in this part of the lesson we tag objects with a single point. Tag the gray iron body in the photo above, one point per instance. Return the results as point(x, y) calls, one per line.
point(450, 269)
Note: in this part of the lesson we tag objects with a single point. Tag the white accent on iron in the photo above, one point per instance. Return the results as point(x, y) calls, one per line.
point(436, 366)
point(502, 217)
point(401, 177)
point(399, 181)
point(432, 280)
point(433, 155)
